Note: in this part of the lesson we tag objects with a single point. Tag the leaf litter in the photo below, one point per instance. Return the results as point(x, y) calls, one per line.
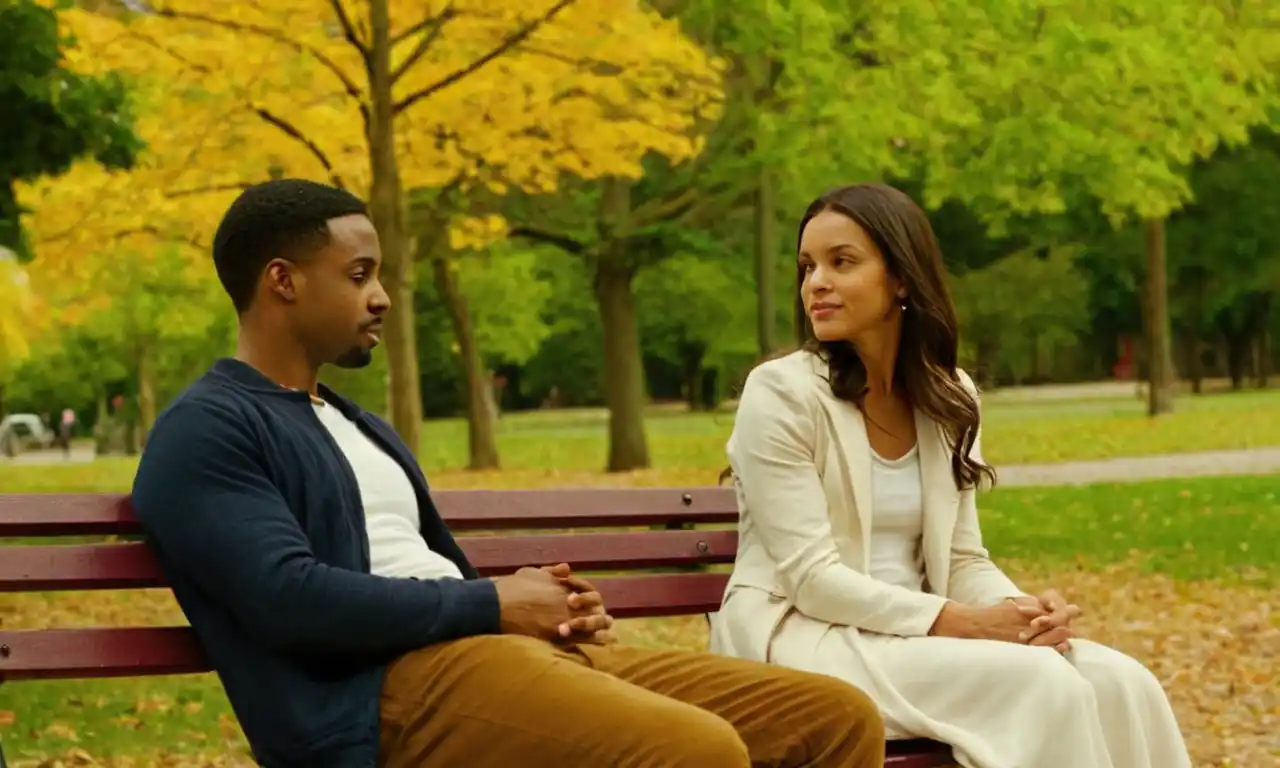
point(1214, 647)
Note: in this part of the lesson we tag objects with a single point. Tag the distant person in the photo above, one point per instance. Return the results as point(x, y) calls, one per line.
point(856, 461)
point(348, 628)
point(66, 428)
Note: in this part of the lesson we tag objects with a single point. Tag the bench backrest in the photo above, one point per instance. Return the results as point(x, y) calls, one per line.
point(475, 515)
point(486, 522)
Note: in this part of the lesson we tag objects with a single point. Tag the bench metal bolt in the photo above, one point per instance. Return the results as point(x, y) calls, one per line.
point(4, 651)
point(702, 547)
point(686, 500)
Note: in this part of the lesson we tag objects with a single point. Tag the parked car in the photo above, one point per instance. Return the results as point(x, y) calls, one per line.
point(22, 432)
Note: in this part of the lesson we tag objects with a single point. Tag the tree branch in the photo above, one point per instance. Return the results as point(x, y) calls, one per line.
point(272, 34)
point(146, 229)
point(349, 31)
point(510, 42)
point(193, 191)
point(660, 209)
point(727, 199)
point(602, 66)
point(165, 236)
point(563, 242)
point(311, 146)
point(428, 39)
point(411, 31)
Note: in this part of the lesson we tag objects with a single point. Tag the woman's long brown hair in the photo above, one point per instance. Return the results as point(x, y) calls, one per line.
point(929, 345)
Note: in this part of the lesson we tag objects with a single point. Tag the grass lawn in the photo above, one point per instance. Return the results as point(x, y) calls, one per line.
point(568, 447)
point(1014, 433)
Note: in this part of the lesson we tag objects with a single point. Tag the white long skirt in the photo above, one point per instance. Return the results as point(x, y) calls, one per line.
point(1003, 705)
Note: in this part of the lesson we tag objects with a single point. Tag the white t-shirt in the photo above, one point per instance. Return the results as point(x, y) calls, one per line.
point(897, 520)
point(396, 546)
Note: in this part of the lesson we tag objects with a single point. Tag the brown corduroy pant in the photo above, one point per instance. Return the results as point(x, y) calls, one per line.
point(505, 701)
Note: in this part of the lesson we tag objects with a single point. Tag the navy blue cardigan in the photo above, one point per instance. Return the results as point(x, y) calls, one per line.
point(257, 521)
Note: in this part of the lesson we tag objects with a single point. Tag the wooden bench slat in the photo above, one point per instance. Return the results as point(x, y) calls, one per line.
point(89, 566)
point(87, 514)
point(117, 651)
point(495, 555)
point(469, 510)
point(662, 594)
point(66, 514)
point(134, 566)
point(99, 652)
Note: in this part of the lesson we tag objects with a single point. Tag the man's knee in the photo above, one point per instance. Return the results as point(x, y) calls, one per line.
point(693, 739)
point(827, 697)
point(841, 717)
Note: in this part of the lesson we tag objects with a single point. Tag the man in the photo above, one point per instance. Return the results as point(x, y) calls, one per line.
point(344, 621)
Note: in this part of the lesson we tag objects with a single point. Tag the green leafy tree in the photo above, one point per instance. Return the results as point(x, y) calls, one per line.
point(1016, 312)
point(695, 310)
point(52, 116)
point(1224, 255)
point(1076, 102)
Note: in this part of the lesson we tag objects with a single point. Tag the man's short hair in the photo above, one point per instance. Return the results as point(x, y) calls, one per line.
point(285, 218)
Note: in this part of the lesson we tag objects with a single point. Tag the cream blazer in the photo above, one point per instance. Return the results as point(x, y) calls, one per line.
point(802, 469)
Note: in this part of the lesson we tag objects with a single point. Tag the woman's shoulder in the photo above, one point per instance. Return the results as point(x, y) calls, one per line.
point(967, 381)
point(787, 383)
point(798, 362)
point(785, 371)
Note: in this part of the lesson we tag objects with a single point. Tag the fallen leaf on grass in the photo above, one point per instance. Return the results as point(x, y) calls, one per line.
point(127, 721)
point(60, 730)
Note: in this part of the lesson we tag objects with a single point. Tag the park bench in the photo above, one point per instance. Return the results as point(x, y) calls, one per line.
point(498, 530)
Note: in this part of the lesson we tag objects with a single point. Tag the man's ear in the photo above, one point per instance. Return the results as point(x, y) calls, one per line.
point(281, 277)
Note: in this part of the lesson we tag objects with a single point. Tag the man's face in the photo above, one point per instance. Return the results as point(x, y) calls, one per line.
point(340, 300)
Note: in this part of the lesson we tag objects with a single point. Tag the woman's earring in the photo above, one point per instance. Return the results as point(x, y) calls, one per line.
point(903, 303)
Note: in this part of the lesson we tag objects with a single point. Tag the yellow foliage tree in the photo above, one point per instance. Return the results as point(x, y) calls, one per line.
point(20, 316)
point(132, 302)
point(377, 96)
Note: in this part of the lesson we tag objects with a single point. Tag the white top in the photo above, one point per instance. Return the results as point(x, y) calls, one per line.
point(396, 546)
point(897, 520)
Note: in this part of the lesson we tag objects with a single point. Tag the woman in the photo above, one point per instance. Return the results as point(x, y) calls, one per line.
point(856, 461)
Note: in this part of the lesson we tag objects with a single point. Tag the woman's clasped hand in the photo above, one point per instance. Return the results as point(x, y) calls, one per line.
point(1043, 620)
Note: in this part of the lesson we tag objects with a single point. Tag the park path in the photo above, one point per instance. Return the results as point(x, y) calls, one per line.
point(1252, 461)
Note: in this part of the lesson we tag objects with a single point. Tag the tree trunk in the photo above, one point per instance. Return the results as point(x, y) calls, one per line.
point(481, 415)
point(1238, 343)
point(146, 394)
point(1036, 373)
point(1194, 340)
point(766, 253)
point(1195, 369)
point(404, 397)
point(988, 354)
point(1159, 353)
point(1264, 359)
point(624, 391)
point(623, 370)
point(1262, 353)
point(691, 356)
point(103, 425)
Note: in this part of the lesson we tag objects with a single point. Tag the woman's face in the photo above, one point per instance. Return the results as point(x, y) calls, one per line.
point(845, 286)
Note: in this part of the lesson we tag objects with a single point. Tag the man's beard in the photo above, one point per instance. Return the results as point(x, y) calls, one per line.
point(355, 357)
